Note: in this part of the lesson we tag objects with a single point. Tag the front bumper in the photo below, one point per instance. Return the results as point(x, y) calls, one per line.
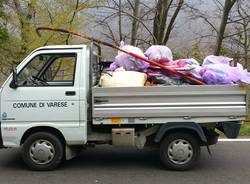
point(1, 138)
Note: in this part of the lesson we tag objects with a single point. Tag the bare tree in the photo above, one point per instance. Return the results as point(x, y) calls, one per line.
point(245, 37)
point(25, 16)
point(224, 14)
point(224, 20)
point(135, 24)
point(161, 29)
point(72, 19)
point(122, 20)
point(240, 38)
point(153, 20)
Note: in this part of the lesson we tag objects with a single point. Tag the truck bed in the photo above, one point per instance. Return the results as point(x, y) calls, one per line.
point(190, 101)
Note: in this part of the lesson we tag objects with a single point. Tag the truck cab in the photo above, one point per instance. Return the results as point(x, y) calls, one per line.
point(52, 105)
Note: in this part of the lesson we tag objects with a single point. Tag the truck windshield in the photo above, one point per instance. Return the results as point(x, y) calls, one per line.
point(33, 67)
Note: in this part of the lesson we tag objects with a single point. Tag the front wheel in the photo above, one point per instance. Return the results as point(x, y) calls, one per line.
point(179, 151)
point(42, 151)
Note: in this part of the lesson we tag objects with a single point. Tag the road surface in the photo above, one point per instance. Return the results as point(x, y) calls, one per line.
point(229, 164)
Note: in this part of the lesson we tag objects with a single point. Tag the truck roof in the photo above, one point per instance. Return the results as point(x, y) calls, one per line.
point(61, 47)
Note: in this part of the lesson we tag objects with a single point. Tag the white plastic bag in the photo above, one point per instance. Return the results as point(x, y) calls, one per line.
point(123, 79)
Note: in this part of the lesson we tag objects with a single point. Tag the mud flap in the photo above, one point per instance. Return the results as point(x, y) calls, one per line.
point(231, 129)
point(71, 152)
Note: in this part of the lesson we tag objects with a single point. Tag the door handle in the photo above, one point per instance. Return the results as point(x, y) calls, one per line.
point(70, 93)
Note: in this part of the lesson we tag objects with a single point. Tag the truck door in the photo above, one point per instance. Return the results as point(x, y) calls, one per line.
point(47, 92)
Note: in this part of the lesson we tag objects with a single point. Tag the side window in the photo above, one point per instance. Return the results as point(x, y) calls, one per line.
point(49, 70)
point(61, 71)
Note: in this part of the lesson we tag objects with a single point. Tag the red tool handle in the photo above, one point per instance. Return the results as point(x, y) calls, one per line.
point(190, 78)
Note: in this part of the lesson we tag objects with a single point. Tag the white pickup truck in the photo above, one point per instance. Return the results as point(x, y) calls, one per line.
point(52, 106)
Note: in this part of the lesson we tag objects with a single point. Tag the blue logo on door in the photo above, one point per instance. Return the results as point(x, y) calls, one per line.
point(4, 115)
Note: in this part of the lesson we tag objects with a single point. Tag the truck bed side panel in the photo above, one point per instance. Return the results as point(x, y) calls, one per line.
point(170, 101)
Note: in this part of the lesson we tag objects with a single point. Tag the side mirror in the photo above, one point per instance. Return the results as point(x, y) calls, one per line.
point(13, 83)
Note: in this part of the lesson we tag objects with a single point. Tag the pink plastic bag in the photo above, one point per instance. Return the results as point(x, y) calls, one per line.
point(192, 63)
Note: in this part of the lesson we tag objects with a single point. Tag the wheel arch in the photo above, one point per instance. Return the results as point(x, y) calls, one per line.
point(36, 129)
point(193, 128)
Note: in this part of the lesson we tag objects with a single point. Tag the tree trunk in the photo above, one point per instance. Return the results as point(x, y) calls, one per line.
point(25, 17)
point(246, 44)
point(71, 21)
point(160, 20)
point(120, 21)
point(161, 30)
point(135, 22)
point(172, 20)
point(220, 36)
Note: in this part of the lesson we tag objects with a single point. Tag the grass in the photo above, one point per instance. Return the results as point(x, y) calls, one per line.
point(245, 129)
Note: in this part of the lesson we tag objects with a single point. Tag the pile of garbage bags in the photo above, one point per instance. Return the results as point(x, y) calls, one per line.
point(127, 70)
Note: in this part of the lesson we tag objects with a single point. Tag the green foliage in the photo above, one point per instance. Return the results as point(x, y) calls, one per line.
point(177, 56)
point(20, 18)
point(4, 36)
point(245, 129)
point(223, 51)
point(196, 52)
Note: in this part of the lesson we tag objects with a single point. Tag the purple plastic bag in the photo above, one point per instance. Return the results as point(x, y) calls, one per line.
point(243, 75)
point(159, 53)
point(218, 74)
point(129, 63)
point(216, 60)
point(216, 70)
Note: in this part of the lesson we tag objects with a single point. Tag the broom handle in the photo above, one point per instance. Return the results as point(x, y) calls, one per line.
point(197, 81)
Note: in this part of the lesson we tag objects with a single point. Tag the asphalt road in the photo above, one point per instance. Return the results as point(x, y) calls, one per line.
point(229, 164)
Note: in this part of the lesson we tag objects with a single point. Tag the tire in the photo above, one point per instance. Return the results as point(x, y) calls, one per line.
point(179, 151)
point(42, 151)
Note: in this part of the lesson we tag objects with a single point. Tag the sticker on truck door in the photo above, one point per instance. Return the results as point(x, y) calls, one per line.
point(39, 105)
point(5, 116)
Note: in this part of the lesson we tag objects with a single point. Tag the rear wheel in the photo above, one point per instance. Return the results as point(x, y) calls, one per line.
point(42, 151)
point(179, 151)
